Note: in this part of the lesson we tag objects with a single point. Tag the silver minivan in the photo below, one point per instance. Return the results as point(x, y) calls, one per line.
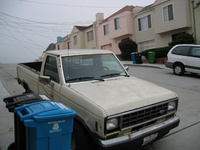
point(184, 58)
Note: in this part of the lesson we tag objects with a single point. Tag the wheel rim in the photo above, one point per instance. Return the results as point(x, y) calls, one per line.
point(178, 70)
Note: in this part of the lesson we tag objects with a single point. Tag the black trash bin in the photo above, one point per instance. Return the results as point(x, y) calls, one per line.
point(20, 130)
point(138, 58)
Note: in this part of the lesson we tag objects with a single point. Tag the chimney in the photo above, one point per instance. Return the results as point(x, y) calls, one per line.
point(99, 17)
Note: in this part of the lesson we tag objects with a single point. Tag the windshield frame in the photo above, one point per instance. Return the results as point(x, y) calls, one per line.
point(66, 62)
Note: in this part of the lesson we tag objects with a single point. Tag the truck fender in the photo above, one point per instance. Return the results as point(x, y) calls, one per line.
point(25, 86)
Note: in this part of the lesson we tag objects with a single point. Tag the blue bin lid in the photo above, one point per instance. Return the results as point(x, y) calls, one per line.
point(44, 111)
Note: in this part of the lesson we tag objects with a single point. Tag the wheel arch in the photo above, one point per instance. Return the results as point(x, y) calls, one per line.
point(178, 63)
point(25, 86)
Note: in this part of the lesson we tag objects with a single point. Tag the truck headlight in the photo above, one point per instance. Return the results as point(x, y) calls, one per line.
point(171, 106)
point(112, 124)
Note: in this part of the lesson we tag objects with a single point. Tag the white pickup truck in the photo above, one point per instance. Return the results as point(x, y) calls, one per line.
point(114, 110)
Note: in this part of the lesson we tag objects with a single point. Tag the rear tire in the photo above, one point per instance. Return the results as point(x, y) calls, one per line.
point(179, 69)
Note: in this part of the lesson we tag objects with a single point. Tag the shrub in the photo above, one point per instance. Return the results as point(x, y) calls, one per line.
point(182, 38)
point(159, 52)
point(126, 47)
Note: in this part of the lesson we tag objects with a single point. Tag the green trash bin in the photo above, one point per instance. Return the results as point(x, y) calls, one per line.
point(151, 57)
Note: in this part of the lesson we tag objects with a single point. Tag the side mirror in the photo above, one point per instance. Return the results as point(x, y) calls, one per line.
point(45, 79)
point(127, 68)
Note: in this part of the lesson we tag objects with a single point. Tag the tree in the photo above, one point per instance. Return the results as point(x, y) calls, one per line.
point(126, 47)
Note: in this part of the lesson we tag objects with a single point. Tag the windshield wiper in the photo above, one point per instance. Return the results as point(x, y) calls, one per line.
point(80, 78)
point(84, 78)
point(111, 74)
point(114, 74)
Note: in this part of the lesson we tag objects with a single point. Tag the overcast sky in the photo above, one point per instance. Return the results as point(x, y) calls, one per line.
point(27, 27)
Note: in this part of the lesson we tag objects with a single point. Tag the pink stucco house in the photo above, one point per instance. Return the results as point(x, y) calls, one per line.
point(115, 28)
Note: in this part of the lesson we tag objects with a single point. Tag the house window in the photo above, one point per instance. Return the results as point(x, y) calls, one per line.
point(90, 36)
point(144, 23)
point(75, 40)
point(68, 45)
point(58, 47)
point(117, 23)
point(168, 13)
point(106, 29)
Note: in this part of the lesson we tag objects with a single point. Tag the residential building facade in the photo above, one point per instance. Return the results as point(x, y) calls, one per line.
point(156, 25)
point(150, 27)
point(62, 42)
point(81, 37)
point(115, 28)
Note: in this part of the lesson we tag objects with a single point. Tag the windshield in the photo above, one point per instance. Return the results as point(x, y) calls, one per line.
point(91, 67)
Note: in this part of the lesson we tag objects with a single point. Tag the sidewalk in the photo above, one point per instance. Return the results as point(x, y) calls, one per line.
point(7, 121)
point(8, 87)
point(130, 63)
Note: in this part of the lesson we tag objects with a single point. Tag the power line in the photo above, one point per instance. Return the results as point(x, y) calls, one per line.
point(22, 33)
point(47, 28)
point(27, 48)
point(66, 5)
point(47, 23)
point(11, 38)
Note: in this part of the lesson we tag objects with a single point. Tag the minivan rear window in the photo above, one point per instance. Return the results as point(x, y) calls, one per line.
point(181, 50)
point(195, 51)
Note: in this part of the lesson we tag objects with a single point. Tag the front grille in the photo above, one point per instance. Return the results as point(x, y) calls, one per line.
point(144, 115)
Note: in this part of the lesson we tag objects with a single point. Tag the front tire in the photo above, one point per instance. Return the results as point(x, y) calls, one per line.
point(179, 69)
point(11, 146)
point(83, 140)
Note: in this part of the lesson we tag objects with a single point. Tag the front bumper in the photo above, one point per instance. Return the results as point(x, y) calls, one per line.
point(137, 137)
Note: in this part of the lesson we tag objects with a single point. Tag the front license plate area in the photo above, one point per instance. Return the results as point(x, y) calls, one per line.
point(149, 139)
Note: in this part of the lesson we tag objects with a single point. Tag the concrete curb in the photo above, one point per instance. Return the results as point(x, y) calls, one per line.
point(130, 63)
point(143, 65)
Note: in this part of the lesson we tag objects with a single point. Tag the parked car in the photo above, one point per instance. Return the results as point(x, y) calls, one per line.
point(184, 58)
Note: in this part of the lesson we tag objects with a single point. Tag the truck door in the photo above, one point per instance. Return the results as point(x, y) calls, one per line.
point(53, 88)
point(194, 60)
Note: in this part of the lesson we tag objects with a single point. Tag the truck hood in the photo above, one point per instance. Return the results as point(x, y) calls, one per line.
point(117, 95)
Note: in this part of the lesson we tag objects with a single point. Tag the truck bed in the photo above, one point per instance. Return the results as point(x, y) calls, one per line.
point(33, 66)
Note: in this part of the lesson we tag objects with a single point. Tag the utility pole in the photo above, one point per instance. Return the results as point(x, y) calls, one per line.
point(194, 21)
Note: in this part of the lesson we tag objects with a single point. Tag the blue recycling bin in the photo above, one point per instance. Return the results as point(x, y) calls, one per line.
point(133, 57)
point(136, 58)
point(49, 125)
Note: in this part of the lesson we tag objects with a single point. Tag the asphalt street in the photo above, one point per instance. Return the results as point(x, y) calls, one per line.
point(185, 137)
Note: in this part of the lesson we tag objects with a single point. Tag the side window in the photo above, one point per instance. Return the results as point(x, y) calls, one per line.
point(195, 51)
point(181, 50)
point(51, 69)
